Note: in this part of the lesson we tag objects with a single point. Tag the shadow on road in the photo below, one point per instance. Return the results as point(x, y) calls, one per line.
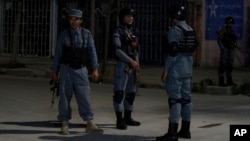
point(98, 137)
point(54, 124)
point(74, 135)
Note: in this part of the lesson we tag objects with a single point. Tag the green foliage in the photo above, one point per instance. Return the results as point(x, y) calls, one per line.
point(201, 86)
point(244, 88)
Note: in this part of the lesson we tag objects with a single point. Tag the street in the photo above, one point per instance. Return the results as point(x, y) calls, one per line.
point(26, 115)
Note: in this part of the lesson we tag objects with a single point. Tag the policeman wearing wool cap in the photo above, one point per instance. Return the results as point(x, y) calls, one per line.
point(73, 47)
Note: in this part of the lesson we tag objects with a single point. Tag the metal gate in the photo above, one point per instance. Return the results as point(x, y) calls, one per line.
point(34, 36)
point(152, 21)
point(41, 20)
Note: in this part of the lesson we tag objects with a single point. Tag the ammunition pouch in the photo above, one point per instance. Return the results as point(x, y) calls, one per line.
point(129, 43)
point(189, 43)
point(74, 57)
point(229, 40)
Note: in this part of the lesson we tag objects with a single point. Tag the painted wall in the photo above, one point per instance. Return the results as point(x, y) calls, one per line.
point(214, 14)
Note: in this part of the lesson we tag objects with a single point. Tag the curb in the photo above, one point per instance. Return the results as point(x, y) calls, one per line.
point(108, 78)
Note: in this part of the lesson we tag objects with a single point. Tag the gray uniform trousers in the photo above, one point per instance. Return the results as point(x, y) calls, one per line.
point(74, 81)
point(179, 93)
point(124, 81)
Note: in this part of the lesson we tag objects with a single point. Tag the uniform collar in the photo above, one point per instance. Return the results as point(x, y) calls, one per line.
point(181, 23)
point(75, 31)
point(125, 26)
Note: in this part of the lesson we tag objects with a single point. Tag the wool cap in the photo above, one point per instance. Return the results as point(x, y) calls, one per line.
point(75, 13)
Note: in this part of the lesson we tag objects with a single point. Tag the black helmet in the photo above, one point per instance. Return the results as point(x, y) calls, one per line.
point(178, 12)
point(126, 11)
point(229, 19)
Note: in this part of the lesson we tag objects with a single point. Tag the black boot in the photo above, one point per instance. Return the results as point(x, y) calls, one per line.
point(230, 81)
point(120, 123)
point(185, 130)
point(171, 135)
point(129, 120)
point(221, 81)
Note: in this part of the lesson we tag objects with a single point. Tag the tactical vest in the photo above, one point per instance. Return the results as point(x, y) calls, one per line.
point(73, 56)
point(188, 44)
point(229, 38)
point(129, 42)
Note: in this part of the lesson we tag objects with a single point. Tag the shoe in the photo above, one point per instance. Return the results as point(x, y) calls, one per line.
point(167, 137)
point(230, 81)
point(221, 82)
point(120, 124)
point(92, 128)
point(65, 128)
point(185, 130)
point(171, 135)
point(132, 122)
point(129, 120)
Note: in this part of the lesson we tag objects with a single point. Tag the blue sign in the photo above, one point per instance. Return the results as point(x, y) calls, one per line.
point(217, 11)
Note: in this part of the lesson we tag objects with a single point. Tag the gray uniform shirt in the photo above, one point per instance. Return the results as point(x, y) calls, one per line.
point(64, 40)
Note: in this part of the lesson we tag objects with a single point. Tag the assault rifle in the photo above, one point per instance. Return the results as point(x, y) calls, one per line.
point(233, 44)
point(236, 46)
point(54, 90)
point(137, 76)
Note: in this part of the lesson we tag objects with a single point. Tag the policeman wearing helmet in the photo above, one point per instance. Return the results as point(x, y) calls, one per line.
point(227, 41)
point(177, 74)
point(125, 41)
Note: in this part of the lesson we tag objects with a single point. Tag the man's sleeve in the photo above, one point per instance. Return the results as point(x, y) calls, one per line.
point(58, 53)
point(118, 50)
point(173, 44)
point(92, 52)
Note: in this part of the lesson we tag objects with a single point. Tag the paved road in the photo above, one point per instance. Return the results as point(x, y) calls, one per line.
point(25, 114)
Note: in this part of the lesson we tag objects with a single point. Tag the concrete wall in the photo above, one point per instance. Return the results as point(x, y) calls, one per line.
point(209, 49)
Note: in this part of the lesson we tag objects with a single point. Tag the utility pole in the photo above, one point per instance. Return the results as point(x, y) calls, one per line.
point(13, 57)
point(107, 33)
point(92, 18)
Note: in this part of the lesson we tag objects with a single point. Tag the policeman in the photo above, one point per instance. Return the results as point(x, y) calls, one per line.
point(73, 47)
point(126, 68)
point(227, 41)
point(177, 75)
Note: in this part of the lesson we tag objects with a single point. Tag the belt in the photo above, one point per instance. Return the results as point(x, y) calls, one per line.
point(75, 66)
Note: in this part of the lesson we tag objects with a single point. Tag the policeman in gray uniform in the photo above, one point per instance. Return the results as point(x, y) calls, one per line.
point(227, 41)
point(177, 75)
point(126, 69)
point(73, 47)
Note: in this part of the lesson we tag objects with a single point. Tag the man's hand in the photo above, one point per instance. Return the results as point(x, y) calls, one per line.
point(135, 65)
point(95, 75)
point(164, 75)
point(54, 78)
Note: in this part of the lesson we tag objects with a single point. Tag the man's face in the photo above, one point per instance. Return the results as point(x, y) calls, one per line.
point(174, 21)
point(230, 24)
point(75, 23)
point(128, 19)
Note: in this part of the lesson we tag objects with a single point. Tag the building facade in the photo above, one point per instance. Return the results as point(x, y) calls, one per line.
point(213, 16)
point(40, 21)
